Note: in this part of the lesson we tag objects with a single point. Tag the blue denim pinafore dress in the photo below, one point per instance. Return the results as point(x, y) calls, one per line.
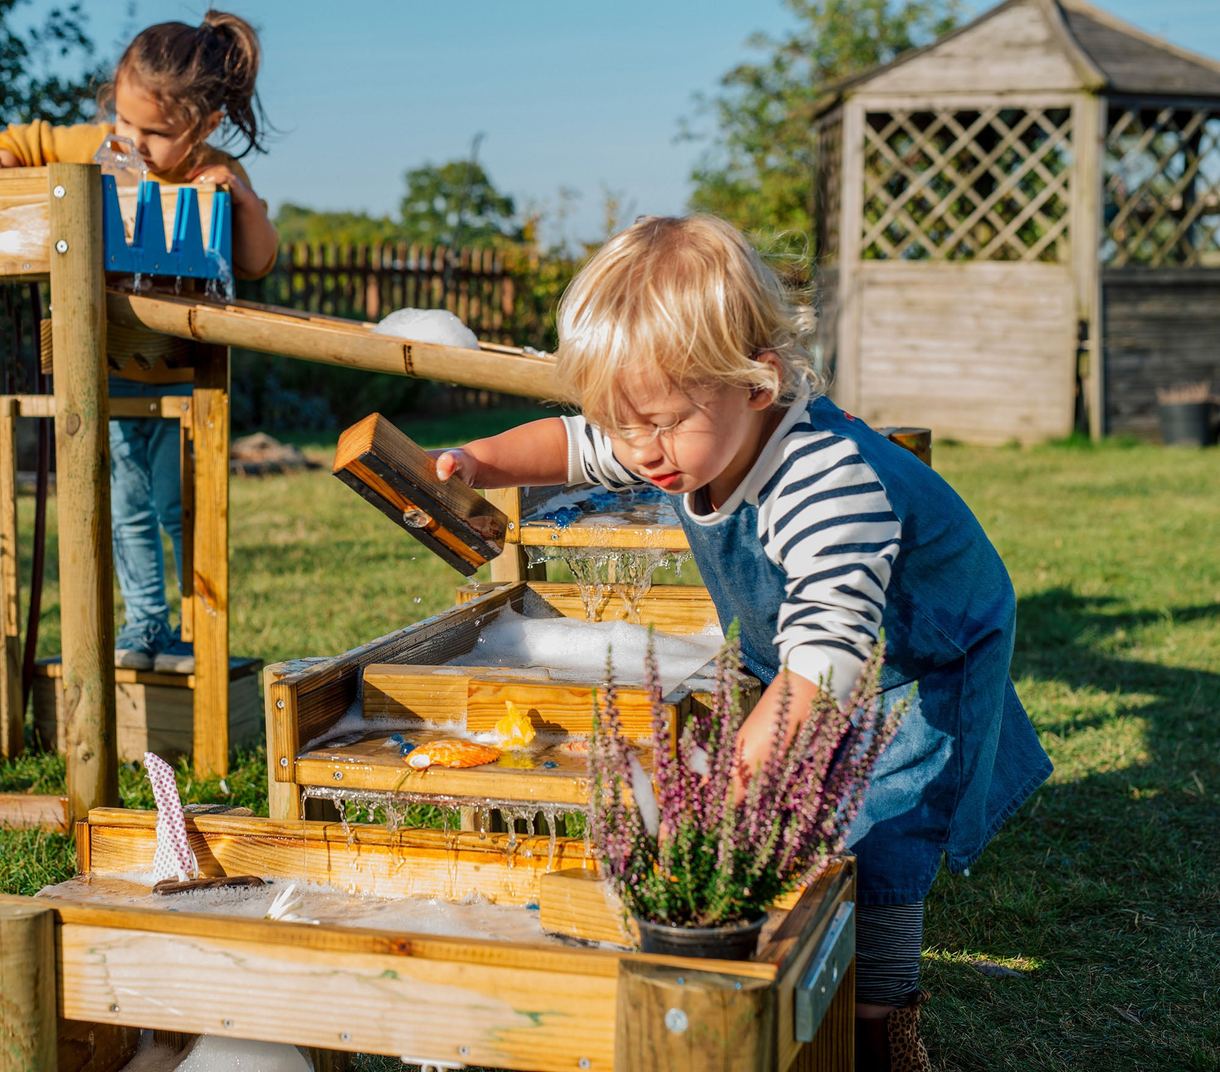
point(966, 756)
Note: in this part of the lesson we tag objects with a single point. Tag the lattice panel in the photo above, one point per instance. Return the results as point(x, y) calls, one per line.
point(1162, 187)
point(829, 175)
point(961, 184)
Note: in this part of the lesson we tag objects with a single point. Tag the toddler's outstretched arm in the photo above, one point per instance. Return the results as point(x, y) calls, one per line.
point(531, 454)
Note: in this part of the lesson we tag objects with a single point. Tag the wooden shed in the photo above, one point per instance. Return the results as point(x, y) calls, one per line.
point(1020, 227)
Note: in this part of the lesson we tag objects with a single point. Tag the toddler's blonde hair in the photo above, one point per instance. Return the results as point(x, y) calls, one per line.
point(688, 297)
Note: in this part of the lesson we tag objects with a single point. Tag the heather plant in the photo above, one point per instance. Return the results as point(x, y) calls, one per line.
point(683, 849)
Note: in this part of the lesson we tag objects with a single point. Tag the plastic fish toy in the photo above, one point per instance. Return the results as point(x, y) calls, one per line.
point(452, 752)
point(515, 730)
point(578, 746)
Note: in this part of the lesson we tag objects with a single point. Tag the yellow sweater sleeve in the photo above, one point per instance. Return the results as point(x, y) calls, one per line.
point(39, 143)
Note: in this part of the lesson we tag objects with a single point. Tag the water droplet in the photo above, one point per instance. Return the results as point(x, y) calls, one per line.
point(419, 599)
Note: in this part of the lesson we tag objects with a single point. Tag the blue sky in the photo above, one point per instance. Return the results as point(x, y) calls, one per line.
point(578, 95)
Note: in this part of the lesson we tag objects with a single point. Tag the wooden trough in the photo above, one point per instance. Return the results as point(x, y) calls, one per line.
point(403, 674)
point(101, 970)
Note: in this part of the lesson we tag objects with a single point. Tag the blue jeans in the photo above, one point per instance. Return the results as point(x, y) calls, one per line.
point(145, 497)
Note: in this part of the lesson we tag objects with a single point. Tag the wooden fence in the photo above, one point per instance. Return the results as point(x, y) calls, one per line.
point(368, 281)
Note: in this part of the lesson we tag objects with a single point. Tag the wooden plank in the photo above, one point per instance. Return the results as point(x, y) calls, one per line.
point(239, 667)
point(545, 534)
point(210, 576)
point(672, 608)
point(26, 810)
point(513, 563)
point(394, 690)
point(397, 476)
point(488, 783)
point(579, 903)
point(833, 1048)
point(334, 341)
point(82, 451)
point(90, 1047)
point(12, 708)
point(186, 469)
point(506, 1017)
point(368, 859)
point(27, 981)
point(555, 707)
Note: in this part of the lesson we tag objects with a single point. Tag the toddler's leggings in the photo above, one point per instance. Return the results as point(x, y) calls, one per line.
point(888, 939)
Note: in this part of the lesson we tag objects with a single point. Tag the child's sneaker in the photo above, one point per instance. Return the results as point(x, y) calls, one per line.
point(137, 645)
point(176, 658)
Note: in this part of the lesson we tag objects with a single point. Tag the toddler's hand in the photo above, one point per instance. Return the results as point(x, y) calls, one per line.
point(456, 461)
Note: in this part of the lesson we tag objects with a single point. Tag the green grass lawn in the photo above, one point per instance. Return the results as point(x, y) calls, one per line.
point(1103, 892)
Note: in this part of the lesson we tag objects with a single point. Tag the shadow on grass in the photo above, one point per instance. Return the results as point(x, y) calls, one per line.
point(1105, 888)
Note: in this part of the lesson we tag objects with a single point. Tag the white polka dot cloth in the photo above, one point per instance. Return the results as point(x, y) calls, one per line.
point(174, 858)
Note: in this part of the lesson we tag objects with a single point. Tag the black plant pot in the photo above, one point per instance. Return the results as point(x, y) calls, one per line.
point(1186, 424)
point(737, 941)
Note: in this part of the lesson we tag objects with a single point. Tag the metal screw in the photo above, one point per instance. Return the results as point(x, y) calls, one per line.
point(278, 703)
point(463, 1051)
point(345, 1036)
point(584, 1062)
point(61, 246)
point(25, 266)
point(283, 761)
point(185, 407)
point(114, 1008)
point(227, 1024)
point(512, 525)
point(338, 776)
point(676, 1021)
point(555, 536)
point(59, 191)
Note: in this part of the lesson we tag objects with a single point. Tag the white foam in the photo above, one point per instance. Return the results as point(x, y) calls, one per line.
point(575, 650)
point(428, 325)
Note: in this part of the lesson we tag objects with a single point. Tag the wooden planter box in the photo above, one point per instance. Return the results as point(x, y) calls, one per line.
point(533, 1006)
point(155, 712)
point(396, 675)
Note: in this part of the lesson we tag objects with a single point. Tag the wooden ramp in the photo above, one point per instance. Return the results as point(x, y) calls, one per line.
point(331, 340)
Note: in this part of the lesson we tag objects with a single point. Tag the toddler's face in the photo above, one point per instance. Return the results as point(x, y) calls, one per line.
point(684, 440)
point(163, 139)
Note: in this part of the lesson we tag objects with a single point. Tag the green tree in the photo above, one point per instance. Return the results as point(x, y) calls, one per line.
point(295, 223)
point(758, 169)
point(33, 84)
point(437, 194)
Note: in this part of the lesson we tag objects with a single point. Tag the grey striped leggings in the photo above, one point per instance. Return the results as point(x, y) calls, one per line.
point(888, 939)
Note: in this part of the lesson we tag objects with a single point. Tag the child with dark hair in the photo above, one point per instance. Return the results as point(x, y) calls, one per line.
point(174, 87)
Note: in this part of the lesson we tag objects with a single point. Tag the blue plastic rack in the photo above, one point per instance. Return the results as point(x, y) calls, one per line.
point(147, 254)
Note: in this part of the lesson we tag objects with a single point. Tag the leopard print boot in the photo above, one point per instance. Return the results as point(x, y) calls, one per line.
point(893, 1044)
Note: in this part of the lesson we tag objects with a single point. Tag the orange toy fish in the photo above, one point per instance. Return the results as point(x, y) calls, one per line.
point(451, 752)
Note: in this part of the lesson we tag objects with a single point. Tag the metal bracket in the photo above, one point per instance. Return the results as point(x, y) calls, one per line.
point(827, 968)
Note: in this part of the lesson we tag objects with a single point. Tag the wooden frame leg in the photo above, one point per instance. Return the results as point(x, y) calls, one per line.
point(27, 981)
point(12, 711)
point(210, 575)
point(186, 464)
point(82, 452)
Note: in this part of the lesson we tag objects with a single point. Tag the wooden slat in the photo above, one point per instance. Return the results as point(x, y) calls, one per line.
point(12, 710)
point(579, 903)
point(409, 691)
point(506, 1017)
point(210, 575)
point(486, 783)
point(370, 859)
point(662, 537)
point(46, 812)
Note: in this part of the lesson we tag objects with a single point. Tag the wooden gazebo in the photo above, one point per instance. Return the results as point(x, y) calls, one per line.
point(1019, 227)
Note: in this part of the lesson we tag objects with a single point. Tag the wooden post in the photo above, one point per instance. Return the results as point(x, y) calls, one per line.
point(513, 564)
point(12, 711)
point(210, 580)
point(82, 452)
point(27, 987)
point(851, 222)
point(283, 797)
point(693, 1021)
point(1090, 118)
